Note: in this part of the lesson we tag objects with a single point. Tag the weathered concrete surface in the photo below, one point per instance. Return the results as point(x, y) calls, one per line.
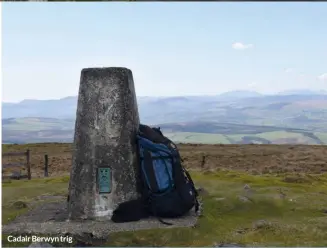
point(106, 123)
point(51, 219)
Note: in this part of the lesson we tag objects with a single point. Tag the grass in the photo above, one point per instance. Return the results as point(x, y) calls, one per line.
point(14, 191)
point(296, 222)
point(18, 196)
point(266, 219)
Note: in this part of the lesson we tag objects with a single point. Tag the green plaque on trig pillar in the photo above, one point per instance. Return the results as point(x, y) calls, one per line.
point(104, 180)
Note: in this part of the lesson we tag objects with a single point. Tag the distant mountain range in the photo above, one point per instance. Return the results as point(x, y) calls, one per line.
point(66, 107)
point(296, 109)
point(303, 92)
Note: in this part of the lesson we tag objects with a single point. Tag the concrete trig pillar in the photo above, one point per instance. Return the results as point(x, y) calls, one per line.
point(104, 166)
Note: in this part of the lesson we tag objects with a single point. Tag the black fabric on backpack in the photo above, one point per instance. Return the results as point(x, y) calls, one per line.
point(129, 211)
point(168, 189)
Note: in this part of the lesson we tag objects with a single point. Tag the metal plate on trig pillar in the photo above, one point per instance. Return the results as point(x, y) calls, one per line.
point(104, 180)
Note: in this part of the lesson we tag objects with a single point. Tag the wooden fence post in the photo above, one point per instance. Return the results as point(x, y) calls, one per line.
point(46, 164)
point(28, 164)
point(203, 161)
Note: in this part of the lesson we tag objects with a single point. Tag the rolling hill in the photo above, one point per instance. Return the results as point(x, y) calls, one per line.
point(232, 117)
point(40, 130)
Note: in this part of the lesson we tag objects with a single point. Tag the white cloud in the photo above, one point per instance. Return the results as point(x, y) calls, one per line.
point(241, 46)
point(289, 70)
point(323, 77)
point(252, 84)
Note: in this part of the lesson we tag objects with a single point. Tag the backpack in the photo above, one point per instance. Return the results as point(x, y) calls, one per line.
point(132, 210)
point(168, 189)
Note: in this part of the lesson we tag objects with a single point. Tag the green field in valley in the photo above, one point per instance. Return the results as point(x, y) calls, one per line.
point(38, 130)
point(273, 137)
point(322, 137)
point(200, 138)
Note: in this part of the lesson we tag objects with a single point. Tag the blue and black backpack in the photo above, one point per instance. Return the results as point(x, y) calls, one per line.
point(167, 188)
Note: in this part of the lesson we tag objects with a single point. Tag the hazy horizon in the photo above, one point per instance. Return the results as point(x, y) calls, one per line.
point(173, 49)
point(158, 96)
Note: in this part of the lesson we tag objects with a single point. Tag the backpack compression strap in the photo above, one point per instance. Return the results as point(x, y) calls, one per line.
point(151, 180)
point(149, 172)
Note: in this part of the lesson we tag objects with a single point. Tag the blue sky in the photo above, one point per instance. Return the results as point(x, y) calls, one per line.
point(172, 48)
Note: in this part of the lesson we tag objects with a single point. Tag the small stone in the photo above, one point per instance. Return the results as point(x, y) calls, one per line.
point(244, 199)
point(199, 189)
point(15, 175)
point(260, 224)
point(19, 205)
point(241, 230)
point(202, 191)
point(199, 212)
point(246, 186)
point(40, 244)
point(220, 198)
point(229, 245)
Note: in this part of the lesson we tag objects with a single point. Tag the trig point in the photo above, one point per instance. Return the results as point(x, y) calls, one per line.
point(104, 166)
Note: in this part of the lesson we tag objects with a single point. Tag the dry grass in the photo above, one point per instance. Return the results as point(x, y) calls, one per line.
point(255, 159)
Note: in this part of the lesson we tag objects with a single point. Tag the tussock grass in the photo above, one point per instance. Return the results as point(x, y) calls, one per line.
point(278, 211)
point(25, 191)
